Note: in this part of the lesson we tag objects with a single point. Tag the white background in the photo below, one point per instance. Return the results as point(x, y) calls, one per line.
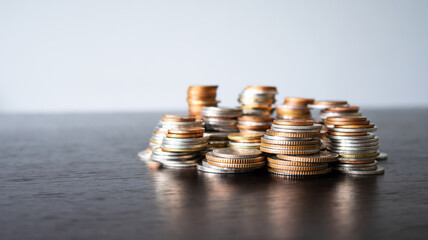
point(65, 56)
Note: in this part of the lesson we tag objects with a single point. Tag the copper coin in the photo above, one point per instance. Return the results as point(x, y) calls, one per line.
point(256, 118)
point(355, 126)
point(294, 101)
point(262, 88)
point(342, 109)
point(254, 128)
point(294, 122)
point(330, 102)
point(347, 119)
point(159, 132)
point(340, 123)
point(178, 118)
point(186, 130)
point(255, 105)
point(347, 133)
point(193, 135)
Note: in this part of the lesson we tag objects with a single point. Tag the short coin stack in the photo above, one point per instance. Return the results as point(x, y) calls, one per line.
point(218, 119)
point(232, 160)
point(245, 140)
point(296, 144)
point(351, 137)
point(294, 108)
point(254, 123)
point(199, 97)
point(217, 140)
point(181, 147)
point(257, 100)
point(339, 111)
point(169, 121)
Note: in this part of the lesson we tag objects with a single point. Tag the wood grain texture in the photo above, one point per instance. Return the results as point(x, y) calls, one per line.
point(78, 177)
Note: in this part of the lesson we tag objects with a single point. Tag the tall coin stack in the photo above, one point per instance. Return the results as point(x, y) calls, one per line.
point(232, 160)
point(257, 100)
point(219, 123)
point(181, 147)
point(199, 97)
point(257, 124)
point(168, 121)
point(245, 140)
point(352, 138)
point(294, 146)
point(294, 108)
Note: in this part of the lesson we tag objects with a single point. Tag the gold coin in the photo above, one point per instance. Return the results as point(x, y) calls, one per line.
point(291, 147)
point(296, 168)
point(362, 155)
point(321, 157)
point(237, 165)
point(278, 161)
point(296, 135)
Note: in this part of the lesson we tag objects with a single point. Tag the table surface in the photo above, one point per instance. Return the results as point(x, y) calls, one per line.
point(77, 176)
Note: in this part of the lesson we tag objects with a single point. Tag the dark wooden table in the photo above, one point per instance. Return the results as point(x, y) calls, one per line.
point(78, 177)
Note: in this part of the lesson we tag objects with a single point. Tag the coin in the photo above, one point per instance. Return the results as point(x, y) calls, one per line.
point(237, 165)
point(295, 168)
point(321, 157)
point(276, 160)
point(194, 130)
point(377, 171)
point(236, 153)
point(295, 122)
point(382, 156)
point(291, 142)
point(288, 152)
point(287, 134)
point(292, 173)
point(210, 156)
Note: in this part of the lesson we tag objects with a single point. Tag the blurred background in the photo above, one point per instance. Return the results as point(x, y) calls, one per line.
point(96, 56)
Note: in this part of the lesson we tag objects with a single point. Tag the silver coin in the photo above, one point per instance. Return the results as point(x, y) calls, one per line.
point(368, 136)
point(356, 159)
point(354, 143)
point(158, 151)
point(377, 171)
point(272, 137)
point(316, 126)
point(178, 165)
point(218, 134)
point(215, 121)
point(373, 129)
point(228, 170)
point(218, 142)
point(356, 166)
point(239, 144)
point(294, 130)
point(236, 153)
point(282, 150)
point(174, 158)
point(143, 155)
point(352, 151)
point(246, 123)
point(186, 141)
point(190, 147)
point(320, 106)
point(256, 112)
point(347, 148)
point(251, 131)
point(382, 156)
point(286, 108)
point(289, 142)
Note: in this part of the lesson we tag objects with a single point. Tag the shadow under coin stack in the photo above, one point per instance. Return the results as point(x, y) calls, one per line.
point(257, 100)
point(294, 108)
point(245, 140)
point(257, 124)
point(351, 137)
point(219, 123)
point(296, 144)
point(232, 160)
point(199, 97)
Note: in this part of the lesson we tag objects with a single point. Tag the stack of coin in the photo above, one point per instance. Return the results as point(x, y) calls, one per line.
point(216, 140)
point(169, 121)
point(294, 108)
point(295, 140)
point(181, 147)
point(257, 100)
point(199, 97)
point(218, 119)
point(339, 111)
point(254, 123)
point(352, 138)
point(232, 160)
point(245, 140)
